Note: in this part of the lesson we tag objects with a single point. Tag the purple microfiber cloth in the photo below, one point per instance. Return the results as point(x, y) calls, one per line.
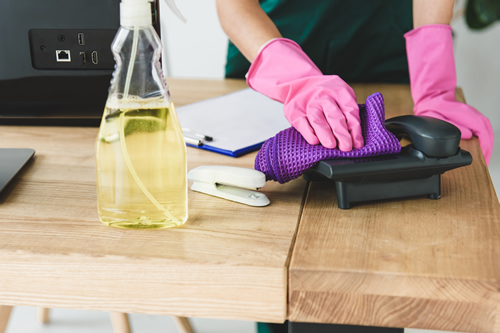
point(287, 155)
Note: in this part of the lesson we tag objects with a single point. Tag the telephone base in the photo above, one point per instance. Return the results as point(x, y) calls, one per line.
point(369, 190)
point(387, 177)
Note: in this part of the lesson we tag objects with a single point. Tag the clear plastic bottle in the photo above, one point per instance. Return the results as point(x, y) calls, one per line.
point(140, 149)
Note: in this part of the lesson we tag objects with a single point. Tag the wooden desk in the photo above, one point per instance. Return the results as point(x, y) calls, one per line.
point(406, 263)
point(228, 261)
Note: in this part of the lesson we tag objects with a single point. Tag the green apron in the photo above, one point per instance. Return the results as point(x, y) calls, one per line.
point(361, 41)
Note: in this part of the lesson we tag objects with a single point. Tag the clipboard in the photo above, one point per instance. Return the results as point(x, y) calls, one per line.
point(239, 122)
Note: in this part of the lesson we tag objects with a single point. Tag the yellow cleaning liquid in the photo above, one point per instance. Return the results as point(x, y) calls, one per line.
point(141, 167)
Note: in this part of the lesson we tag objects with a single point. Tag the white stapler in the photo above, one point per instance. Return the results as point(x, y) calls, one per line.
point(231, 183)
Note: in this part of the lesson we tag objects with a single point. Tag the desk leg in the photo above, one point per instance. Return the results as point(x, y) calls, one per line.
point(183, 324)
point(4, 317)
point(42, 315)
point(334, 328)
point(120, 322)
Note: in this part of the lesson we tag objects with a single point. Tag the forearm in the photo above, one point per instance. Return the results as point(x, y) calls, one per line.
point(432, 12)
point(246, 25)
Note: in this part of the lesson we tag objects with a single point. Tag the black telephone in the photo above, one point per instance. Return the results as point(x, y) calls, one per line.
point(415, 171)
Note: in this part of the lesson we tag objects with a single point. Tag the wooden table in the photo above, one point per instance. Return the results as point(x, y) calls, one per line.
point(405, 263)
point(228, 261)
point(430, 264)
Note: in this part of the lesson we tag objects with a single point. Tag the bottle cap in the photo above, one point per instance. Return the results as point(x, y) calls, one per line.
point(137, 13)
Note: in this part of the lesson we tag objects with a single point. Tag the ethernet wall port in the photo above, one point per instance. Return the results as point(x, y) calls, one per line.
point(63, 56)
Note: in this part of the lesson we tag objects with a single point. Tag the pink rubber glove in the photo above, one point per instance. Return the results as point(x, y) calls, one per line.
point(433, 82)
point(321, 107)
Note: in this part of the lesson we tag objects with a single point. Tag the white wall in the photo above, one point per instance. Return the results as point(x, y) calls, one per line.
point(198, 50)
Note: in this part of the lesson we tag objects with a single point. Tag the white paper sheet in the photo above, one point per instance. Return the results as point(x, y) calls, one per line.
point(235, 121)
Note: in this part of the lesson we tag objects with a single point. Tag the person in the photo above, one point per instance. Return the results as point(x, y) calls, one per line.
point(302, 53)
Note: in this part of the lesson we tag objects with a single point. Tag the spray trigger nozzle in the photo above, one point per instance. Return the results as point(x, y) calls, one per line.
point(137, 13)
point(173, 7)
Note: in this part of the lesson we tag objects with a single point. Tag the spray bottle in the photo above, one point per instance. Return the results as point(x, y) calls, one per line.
point(140, 150)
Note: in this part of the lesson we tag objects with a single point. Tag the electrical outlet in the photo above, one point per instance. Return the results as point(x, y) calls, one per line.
point(71, 48)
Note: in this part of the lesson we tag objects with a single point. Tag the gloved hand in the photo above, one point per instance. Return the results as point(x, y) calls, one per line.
point(321, 107)
point(433, 82)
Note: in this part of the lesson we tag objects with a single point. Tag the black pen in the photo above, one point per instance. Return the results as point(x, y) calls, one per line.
point(194, 142)
point(201, 136)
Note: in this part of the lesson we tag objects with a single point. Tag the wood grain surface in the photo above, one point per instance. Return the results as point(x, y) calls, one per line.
point(403, 263)
point(421, 263)
point(228, 261)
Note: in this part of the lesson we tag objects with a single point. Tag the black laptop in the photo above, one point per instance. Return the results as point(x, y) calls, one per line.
point(12, 161)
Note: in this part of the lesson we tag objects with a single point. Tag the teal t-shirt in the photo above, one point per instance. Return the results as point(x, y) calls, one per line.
point(359, 40)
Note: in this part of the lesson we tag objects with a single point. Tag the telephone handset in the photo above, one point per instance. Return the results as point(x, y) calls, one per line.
point(433, 137)
point(415, 171)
